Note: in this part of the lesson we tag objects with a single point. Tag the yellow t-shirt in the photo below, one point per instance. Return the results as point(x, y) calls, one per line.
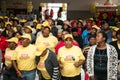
point(8, 56)
point(67, 57)
point(114, 39)
point(50, 42)
point(15, 29)
point(118, 45)
point(25, 57)
point(41, 67)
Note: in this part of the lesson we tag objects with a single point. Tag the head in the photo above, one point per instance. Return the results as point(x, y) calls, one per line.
point(92, 40)
point(74, 32)
point(105, 26)
point(8, 26)
point(11, 33)
point(118, 24)
point(88, 26)
point(114, 33)
point(17, 34)
point(59, 33)
point(101, 37)
point(2, 24)
point(12, 45)
point(25, 42)
point(26, 39)
point(46, 31)
point(80, 24)
point(19, 28)
point(64, 33)
point(118, 35)
point(65, 26)
point(74, 23)
point(50, 21)
point(68, 39)
point(27, 29)
point(93, 31)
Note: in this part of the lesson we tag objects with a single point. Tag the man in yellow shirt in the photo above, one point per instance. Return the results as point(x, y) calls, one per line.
point(9, 72)
point(46, 39)
point(70, 59)
point(24, 59)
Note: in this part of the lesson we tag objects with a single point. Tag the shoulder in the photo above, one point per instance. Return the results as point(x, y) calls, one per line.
point(113, 42)
point(111, 47)
point(32, 46)
point(51, 36)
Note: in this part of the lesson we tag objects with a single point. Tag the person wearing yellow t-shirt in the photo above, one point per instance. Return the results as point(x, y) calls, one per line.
point(9, 72)
point(47, 63)
point(47, 40)
point(70, 59)
point(24, 59)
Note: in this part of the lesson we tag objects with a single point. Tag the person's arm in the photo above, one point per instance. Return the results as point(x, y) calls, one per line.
point(54, 61)
point(89, 64)
point(114, 63)
point(0, 60)
point(16, 68)
point(82, 59)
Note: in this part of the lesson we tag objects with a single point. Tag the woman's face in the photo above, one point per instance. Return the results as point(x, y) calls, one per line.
point(75, 25)
point(25, 42)
point(114, 33)
point(10, 33)
point(93, 31)
point(65, 26)
point(105, 26)
point(92, 41)
point(12, 45)
point(27, 30)
point(59, 34)
point(46, 32)
point(68, 43)
point(118, 37)
point(100, 38)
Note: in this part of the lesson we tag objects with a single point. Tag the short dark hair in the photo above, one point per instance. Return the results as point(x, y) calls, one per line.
point(104, 35)
point(91, 36)
point(74, 30)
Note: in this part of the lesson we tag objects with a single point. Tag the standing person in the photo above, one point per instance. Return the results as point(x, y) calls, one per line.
point(0, 61)
point(28, 30)
point(47, 39)
point(47, 63)
point(86, 33)
point(24, 59)
point(77, 37)
point(116, 44)
point(70, 59)
point(102, 60)
point(105, 27)
point(9, 72)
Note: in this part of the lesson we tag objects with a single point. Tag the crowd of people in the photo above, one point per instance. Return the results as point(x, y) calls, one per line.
point(59, 50)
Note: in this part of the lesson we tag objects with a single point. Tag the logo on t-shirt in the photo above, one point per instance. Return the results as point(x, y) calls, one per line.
point(8, 57)
point(69, 58)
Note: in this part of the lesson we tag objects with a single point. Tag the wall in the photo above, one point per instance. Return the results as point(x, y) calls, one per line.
point(76, 8)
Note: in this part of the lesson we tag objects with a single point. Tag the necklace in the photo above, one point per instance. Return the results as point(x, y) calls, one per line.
point(101, 54)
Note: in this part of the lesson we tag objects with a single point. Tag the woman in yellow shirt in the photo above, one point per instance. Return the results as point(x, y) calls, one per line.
point(24, 59)
point(70, 59)
point(9, 72)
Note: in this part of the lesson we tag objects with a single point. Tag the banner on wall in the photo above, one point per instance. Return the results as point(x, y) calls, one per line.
point(3, 6)
point(29, 6)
